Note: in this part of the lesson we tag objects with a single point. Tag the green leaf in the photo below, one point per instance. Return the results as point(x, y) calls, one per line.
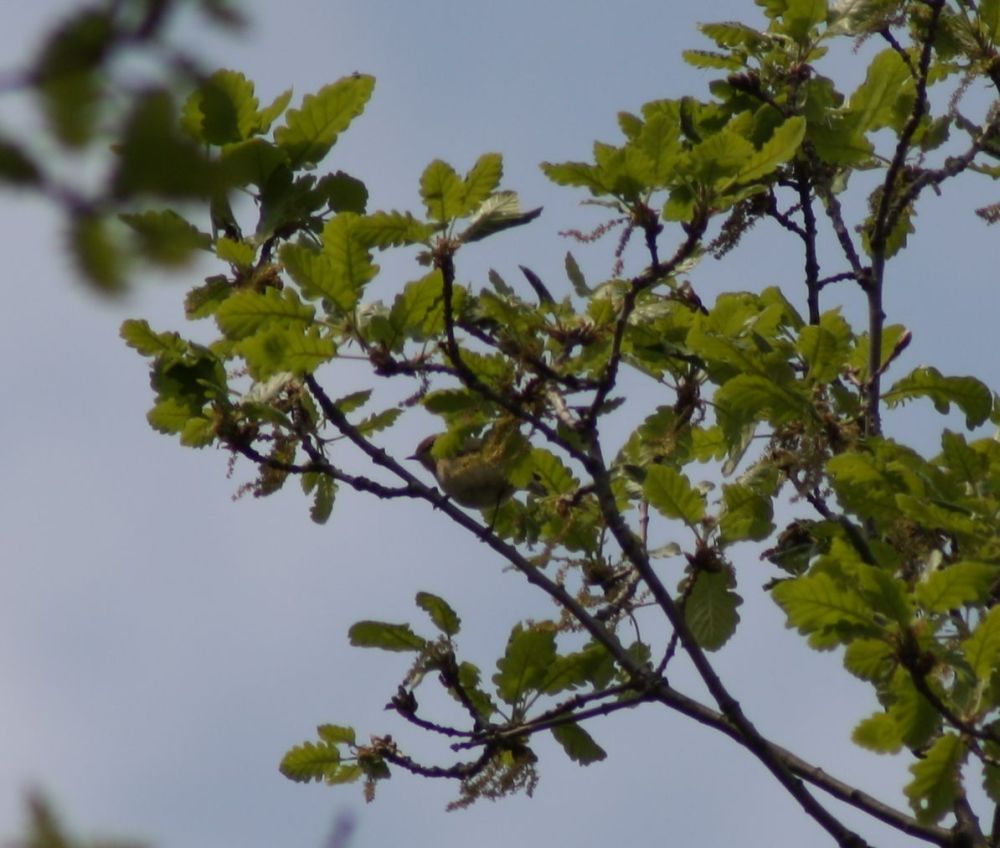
point(869, 659)
point(310, 761)
point(578, 174)
point(323, 496)
point(443, 192)
point(444, 617)
point(387, 637)
point(578, 744)
point(340, 270)
point(310, 131)
point(911, 720)
point(246, 312)
point(825, 347)
point(967, 393)
point(268, 115)
point(482, 180)
point(222, 110)
point(878, 733)
point(935, 784)
point(875, 102)
point(817, 604)
point(747, 514)
point(171, 415)
point(392, 229)
point(138, 335)
point(801, 16)
point(276, 349)
point(673, 495)
point(710, 610)
point(335, 734)
point(378, 421)
point(957, 584)
point(526, 661)
point(238, 253)
point(778, 149)
point(202, 301)
point(576, 277)
point(343, 193)
point(982, 648)
point(720, 158)
point(593, 665)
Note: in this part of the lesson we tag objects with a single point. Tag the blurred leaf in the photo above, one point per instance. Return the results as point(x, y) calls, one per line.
point(222, 110)
point(165, 237)
point(17, 168)
point(153, 158)
point(97, 254)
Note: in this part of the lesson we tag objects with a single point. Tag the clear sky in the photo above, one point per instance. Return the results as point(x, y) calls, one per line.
point(161, 646)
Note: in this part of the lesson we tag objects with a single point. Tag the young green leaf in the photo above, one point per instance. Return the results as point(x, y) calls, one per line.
point(673, 495)
point(387, 637)
point(982, 648)
point(967, 393)
point(525, 664)
point(578, 744)
point(482, 180)
point(935, 783)
point(246, 312)
point(310, 131)
point(443, 192)
point(957, 584)
point(310, 761)
point(710, 610)
point(444, 617)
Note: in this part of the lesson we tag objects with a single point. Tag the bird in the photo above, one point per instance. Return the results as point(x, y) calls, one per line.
point(474, 477)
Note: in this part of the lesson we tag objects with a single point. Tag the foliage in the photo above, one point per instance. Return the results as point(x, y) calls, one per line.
point(892, 557)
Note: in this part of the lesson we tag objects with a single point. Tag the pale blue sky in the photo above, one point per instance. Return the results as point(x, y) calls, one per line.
point(161, 646)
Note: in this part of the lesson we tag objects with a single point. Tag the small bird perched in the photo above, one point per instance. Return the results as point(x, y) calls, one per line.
point(473, 477)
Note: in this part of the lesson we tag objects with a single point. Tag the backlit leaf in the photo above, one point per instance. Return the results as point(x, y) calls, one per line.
point(710, 610)
point(387, 637)
point(444, 617)
point(673, 495)
point(311, 130)
point(526, 661)
point(935, 783)
point(578, 744)
point(969, 394)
